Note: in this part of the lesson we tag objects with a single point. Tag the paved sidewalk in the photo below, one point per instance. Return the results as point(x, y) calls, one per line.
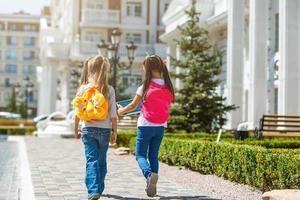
point(58, 168)
point(9, 168)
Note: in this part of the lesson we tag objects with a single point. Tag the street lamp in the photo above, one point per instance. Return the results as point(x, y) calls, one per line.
point(111, 51)
point(74, 78)
point(28, 93)
point(102, 48)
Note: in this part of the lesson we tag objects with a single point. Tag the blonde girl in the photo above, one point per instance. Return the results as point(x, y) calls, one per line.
point(96, 134)
point(83, 81)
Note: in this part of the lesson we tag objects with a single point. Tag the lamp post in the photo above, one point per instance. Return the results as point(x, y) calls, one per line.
point(111, 50)
point(28, 93)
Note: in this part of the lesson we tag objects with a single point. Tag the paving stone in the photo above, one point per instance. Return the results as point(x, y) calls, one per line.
point(58, 168)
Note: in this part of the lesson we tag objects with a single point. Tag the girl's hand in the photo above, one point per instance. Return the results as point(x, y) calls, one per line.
point(121, 111)
point(78, 134)
point(113, 138)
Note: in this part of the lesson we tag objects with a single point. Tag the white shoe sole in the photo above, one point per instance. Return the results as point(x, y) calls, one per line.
point(151, 189)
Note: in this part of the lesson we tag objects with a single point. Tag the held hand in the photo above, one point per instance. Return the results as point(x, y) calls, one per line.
point(113, 138)
point(78, 134)
point(120, 111)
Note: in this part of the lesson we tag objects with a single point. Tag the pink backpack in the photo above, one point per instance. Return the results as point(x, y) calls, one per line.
point(156, 105)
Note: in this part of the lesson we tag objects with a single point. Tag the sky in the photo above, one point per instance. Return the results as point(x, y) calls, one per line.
point(30, 6)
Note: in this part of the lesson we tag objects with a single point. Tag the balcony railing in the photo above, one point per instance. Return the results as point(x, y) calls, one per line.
point(100, 17)
point(88, 48)
point(57, 50)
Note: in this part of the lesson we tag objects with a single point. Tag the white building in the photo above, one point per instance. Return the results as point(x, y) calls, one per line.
point(255, 35)
point(19, 48)
point(77, 26)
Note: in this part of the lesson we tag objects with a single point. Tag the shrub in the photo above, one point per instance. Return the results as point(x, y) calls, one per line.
point(265, 169)
point(15, 122)
point(13, 130)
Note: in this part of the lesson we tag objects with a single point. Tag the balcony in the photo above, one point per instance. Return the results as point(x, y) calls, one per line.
point(100, 18)
point(57, 50)
point(87, 48)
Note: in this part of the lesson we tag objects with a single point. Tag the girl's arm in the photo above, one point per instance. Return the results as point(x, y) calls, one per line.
point(76, 132)
point(114, 123)
point(131, 106)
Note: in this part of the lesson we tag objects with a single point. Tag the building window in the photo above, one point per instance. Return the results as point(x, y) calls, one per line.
point(132, 82)
point(7, 97)
point(134, 9)
point(276, 32)
point(29, 28)
point(94, 37)
point(29, 41)
point(11, 55)
point(275, 100)
point(95, 4)
point(28, 55)
point(138, 81)
point(7, 82)
point(13, 27)
point(29, 70)
point(12, 41)
point(166, 6)
point(125, 81)
point(1, 27)
point(135, 37)
point(11, 69)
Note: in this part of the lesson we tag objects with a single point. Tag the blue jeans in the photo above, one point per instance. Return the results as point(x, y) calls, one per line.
point(148, 140)
point(96, 141)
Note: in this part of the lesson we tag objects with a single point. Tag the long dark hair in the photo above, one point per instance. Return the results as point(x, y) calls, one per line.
point(155, 63)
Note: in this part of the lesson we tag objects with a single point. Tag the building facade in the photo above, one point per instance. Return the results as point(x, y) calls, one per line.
point(77, 26)
point(19, 49)
point(261, 64)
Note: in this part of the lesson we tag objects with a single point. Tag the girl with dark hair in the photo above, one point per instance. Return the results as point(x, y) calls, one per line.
point(156, 94)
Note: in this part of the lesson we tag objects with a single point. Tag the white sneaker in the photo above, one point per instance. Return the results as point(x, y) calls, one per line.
point(151, 185)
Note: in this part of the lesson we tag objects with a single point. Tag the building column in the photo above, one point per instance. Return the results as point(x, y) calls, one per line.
point(258, 56)
point(171, 52)
point(48, 90)
point(289, 57)
point(235, 45)
point(153, 21)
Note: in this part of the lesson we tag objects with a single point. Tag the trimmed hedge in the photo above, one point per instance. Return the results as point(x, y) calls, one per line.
point(125, 136)
point(13, 130)
point(272, 144)
point(16, 122)
point(265, 169)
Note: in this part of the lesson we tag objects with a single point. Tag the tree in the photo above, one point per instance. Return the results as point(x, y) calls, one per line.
point(22, 109)
point(12, 105)
point(198, 106)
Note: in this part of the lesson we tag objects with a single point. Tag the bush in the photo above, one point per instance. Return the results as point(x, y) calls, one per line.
point(13, 130)
point(265, 169)
point(15, 122)
point(125, 136)
point(273, 144)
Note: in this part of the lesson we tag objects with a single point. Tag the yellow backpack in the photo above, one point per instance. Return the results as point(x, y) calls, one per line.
point(92, 105)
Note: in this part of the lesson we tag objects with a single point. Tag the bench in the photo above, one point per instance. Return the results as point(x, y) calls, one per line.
point(279, 126)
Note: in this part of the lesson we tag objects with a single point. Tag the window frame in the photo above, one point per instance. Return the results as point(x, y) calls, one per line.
point(8, 68)
point(131, 9)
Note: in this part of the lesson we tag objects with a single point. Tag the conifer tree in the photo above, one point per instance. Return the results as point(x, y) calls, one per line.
point(198, 106)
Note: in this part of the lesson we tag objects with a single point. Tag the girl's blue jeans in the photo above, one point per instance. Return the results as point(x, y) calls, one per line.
point(148, 142)
point(96, 141)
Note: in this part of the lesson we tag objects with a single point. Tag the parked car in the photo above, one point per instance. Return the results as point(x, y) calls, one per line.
point(56, 124)
point(9, 115)
point(40, 118)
